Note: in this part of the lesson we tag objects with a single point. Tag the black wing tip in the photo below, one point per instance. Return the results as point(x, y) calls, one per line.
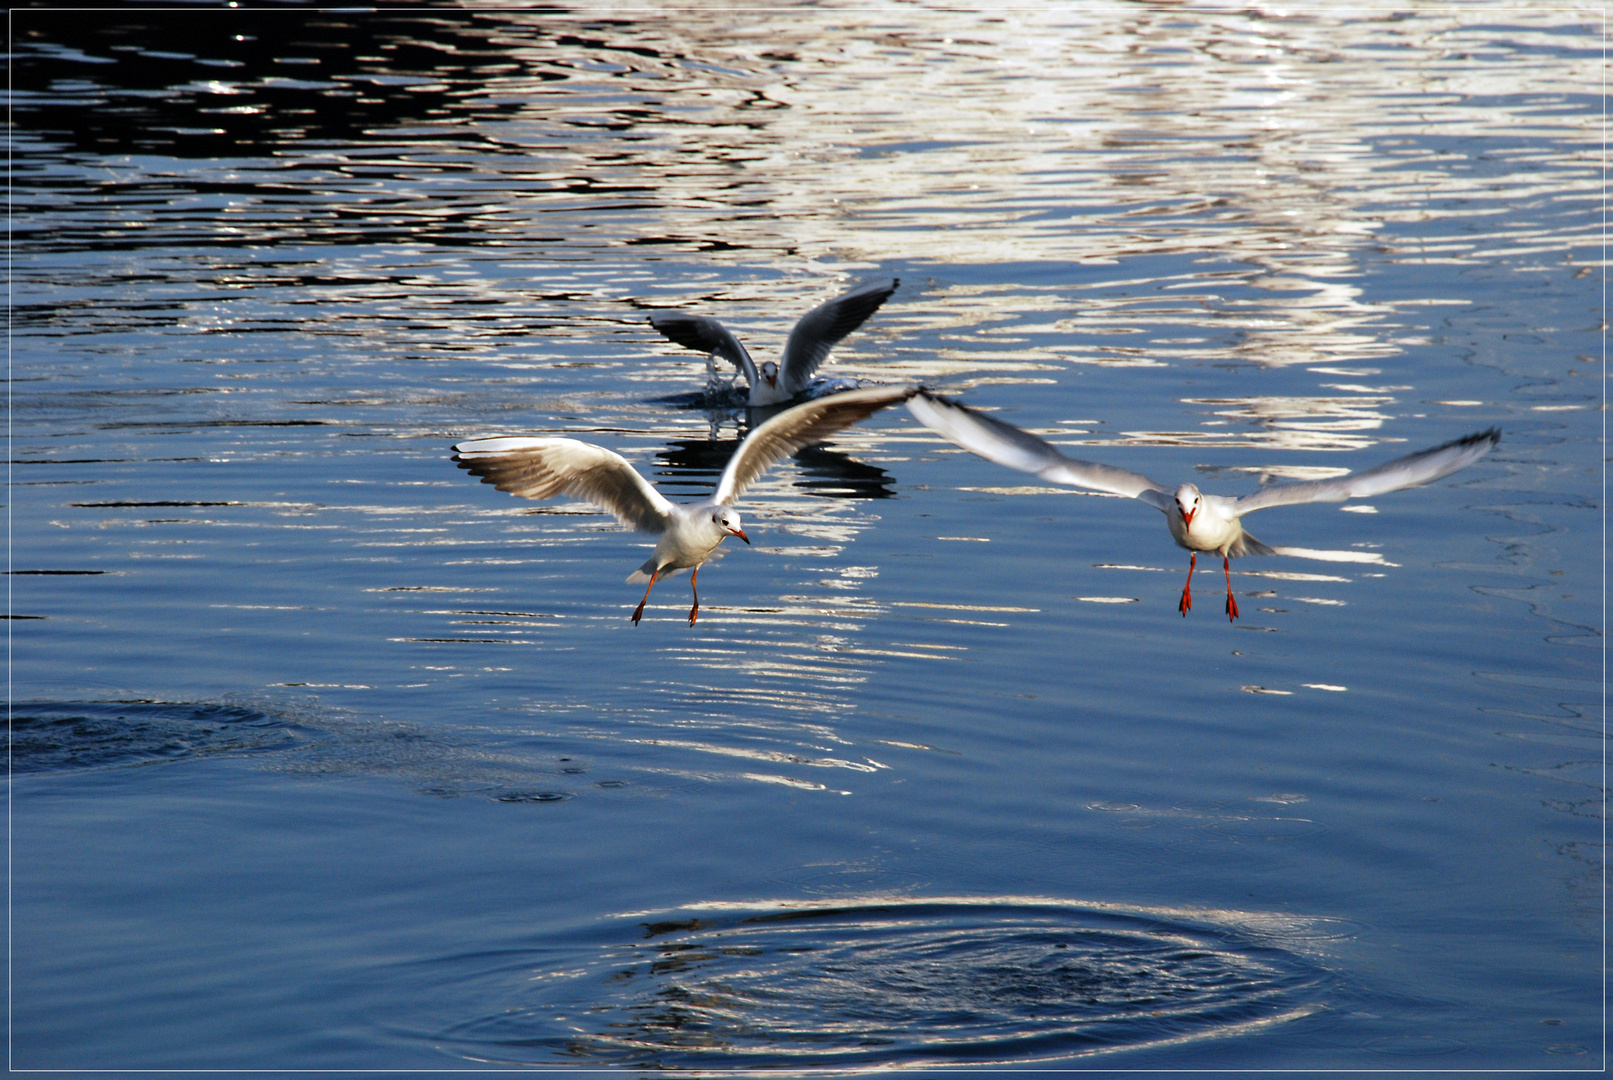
point(1490, 436)
point(877, 292)
point(886, 285)
point(477, 469)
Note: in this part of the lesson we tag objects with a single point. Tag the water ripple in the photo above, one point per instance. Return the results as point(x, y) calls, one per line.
point(880, 982)
point(55, 736)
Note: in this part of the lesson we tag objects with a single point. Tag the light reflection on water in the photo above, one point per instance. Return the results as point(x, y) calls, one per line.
point(269, 265)
point(740, 158)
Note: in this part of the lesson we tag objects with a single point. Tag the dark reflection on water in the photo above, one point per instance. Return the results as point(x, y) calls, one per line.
point(835, 475)
point(230, 84)
point(895, 982)
point(55, 736)
point(690, 468)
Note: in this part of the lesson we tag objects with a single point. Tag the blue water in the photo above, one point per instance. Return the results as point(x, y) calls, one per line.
point(324, 755)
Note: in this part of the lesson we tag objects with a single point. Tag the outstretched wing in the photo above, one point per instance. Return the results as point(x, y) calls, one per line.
point(799, 427)
point(1423, 467)
point(820, 329)
point(1008, 445)
point(704, 334)
point(543, 468)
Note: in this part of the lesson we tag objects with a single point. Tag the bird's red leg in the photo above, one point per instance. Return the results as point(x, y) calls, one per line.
point(1187, 590)
point(694, 612)
point(1232, 603)
point(638, 613)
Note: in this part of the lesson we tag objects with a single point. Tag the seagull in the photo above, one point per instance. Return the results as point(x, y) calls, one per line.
point(542, 468)
point(818, 331)
point(1197, 521)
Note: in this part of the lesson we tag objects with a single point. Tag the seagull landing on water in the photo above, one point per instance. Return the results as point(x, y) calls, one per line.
point(690, 533)
point(1198, 522)
point(818, 331)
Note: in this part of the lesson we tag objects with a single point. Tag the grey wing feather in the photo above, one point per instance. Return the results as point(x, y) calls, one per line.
point(1423, 467)
point(820, 329)
point(544, 468)
point(1008, 445)
point(704, 334)
point(798, 427)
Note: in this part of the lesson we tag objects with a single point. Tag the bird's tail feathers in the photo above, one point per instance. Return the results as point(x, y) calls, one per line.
point(643, 573)
point(1248, 545)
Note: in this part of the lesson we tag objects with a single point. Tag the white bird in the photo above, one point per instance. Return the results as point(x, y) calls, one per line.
point(1198, 522)
point(541, 468)
point(818, 331)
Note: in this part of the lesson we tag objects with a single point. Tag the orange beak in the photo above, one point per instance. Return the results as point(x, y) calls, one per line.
point(741, 534)
point(1187, 517)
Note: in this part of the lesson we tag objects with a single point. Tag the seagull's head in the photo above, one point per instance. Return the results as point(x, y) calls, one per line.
point(770, 372)
point(1187, 501)
point(728, 521)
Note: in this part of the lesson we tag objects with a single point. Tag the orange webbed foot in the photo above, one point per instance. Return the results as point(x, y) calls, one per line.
point(638, 612)
point(1186, 603)
point(1232, 601)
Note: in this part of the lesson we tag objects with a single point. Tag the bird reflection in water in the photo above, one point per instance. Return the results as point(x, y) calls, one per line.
point(692, 465)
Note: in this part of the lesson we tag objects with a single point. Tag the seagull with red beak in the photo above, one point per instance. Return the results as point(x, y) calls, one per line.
point(1198, 522)
point(1219, 529)
point(818, 331)
point(539, 468)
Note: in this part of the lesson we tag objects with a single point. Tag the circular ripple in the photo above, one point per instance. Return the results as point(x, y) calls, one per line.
point(885, 983)
point(531, 796)
point(54, 736)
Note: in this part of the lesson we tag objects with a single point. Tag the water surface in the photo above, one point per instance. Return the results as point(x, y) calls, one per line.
point(326, 756)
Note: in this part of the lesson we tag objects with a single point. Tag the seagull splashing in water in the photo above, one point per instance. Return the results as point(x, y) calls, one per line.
point(818, 331)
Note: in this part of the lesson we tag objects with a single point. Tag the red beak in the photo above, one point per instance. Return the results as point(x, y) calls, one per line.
point(1187, 517)
point(741, 534)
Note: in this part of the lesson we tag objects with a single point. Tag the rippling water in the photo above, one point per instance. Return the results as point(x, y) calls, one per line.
point(325, 756)
point(938, 980)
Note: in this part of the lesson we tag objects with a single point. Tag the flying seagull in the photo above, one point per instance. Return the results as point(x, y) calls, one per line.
point(1198, 522)
point(536, 468)
point(818, 331)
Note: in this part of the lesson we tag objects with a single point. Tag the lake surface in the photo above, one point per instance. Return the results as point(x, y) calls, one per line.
point(324, 755)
